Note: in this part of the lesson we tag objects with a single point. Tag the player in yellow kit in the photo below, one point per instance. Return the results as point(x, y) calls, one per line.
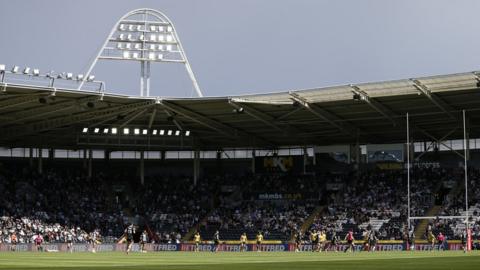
point(322, 240)
point(196, 238)
point(259, 241)
point(243, 242)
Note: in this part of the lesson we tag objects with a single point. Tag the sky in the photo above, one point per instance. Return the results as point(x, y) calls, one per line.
point(245, 46)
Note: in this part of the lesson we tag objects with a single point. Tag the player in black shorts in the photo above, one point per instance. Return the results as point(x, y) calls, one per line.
point(334, 242)
point(372, 240)
point(298, 241)
point(129, 232)
point(216, 241)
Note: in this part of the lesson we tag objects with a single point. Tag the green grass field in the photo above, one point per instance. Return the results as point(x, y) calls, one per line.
point(235, 261)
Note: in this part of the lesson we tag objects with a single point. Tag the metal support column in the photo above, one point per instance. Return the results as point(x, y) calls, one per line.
point(253, 161)
point(142, 168)
point(305, 159)
point(142, 76)
point(90, 156)
point(196, 166)
point(148, 78)
point(408, 172)
point(30, 157)
point(40, 163)
point(466, 169)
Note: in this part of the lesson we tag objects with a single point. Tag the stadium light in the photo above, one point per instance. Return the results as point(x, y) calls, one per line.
point(105, 130)
point(187, 133)
point(144, 25)
point(85, 130)
point(126, 131)
point(96, 130)
point(26, 70)
point(90, 78)
point(162, 132)
point(36, 72)
point(145, 131)
point(136, 131)
point(15, 69)
point(2, 68)
point(169, 132)
point(69, 76)
point(114, 130)
point(79, 77)
point(177, 133)
point(154, 132)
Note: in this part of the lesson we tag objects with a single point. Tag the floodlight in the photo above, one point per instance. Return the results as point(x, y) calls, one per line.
point(2, 68)
point(151, 56)
point(154, 132)
point(85, 130)
point(162, 132)
point(126, 131)
point(170, 132)
point(177, 133)
point(114, 130)
point(36, 72)
point(145, 132)
point(26, 70)
point(91, 78)
point(79, 77)
point(15, 69)
point(69, 76)
point(60, 75)
point(160, 56)
point(105, 130)
point(160, 47)
point(169, 47)
point(96, 130)
point(137, 131)
point(126, 54)
point(187, 133)
point(150, 28)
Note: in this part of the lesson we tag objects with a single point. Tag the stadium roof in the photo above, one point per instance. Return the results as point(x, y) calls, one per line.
point(33, 116)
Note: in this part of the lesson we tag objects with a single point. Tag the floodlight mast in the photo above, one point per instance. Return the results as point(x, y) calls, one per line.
point(134, 38)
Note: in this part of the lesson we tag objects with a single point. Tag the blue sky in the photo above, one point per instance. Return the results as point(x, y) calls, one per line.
point(239, 47)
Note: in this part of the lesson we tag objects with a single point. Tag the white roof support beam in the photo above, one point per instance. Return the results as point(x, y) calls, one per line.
point(374, 104)
point(44, 110)
point(152, 118)
point(18, 101)
point(175, 121)
point(442, 105)
point(73, 119)
point(132, 117)
point(323, 114)
point(210, 123)
point(261, 116)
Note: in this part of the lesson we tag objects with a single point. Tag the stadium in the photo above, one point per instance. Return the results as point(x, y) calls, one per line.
point(356, 176)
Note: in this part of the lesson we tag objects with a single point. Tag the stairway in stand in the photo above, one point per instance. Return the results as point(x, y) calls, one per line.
point(308, 222)
point(422, 226)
